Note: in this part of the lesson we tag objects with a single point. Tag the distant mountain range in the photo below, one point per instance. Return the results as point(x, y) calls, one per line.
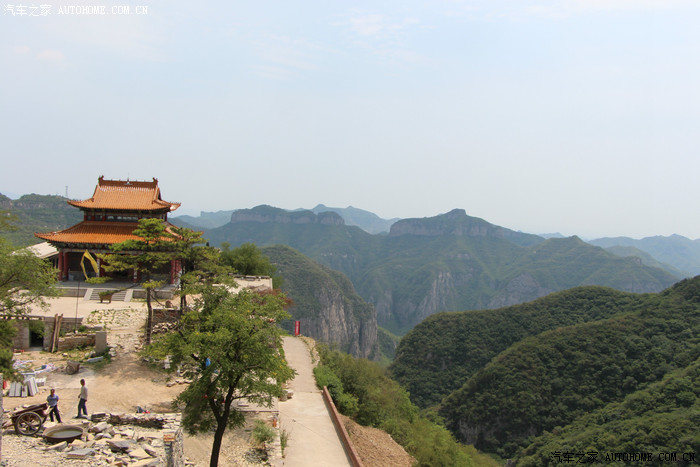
point(675, 250)
point(676, 254)
point(367, 221)
point(448, 262)
point(37, 213)
point(422, 266)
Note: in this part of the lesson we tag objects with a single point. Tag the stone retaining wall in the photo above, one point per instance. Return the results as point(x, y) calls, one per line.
point(71, 342)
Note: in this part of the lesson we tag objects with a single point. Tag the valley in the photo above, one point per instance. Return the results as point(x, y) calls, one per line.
point(521, 345)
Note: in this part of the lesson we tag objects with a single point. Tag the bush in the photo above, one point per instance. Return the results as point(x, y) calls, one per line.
point(364, 392)
point(263, 433)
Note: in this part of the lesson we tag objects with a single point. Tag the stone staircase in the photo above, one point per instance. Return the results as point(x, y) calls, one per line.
point(121, 296)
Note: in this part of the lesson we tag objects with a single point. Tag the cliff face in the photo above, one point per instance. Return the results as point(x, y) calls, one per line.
point(405, 311)
point(337, 323)
point(449, 262)
point(325, 302)
point(268, 214)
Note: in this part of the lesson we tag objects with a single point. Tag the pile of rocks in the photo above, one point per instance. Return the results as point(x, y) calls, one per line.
point(162, 328)
point(108, 440)
point(103, 444)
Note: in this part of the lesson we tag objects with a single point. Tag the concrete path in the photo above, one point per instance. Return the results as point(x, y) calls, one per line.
point(313, 440)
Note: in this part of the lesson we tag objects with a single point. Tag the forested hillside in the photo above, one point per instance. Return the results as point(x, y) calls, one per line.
point(449, 262)
point(664, 417)
point(37, 213)
point(552, 379)
point(441, 353)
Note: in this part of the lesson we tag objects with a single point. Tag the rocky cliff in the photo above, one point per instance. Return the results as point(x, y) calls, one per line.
point(326, 303)
point(449, 262)
point(269, 214)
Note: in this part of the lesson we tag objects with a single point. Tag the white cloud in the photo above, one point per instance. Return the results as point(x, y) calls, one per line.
point(22, 49)
point(552, 9)
point(285, 57)
point(368, 25)
point(51, 55)
point(379, 25)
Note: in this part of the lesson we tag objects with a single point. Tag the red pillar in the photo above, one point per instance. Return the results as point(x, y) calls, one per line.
point(175, 269)
point(66, 265)
point(60, 265)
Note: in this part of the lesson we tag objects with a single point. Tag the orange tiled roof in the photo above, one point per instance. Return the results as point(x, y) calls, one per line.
point(94, 232)
point(126, 195)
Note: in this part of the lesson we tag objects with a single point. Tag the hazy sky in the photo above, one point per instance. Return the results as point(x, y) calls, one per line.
point(577, 116)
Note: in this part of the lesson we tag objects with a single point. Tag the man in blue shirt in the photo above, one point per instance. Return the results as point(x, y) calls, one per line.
point(52, 399)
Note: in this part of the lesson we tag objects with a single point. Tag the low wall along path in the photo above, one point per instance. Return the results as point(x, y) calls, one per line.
point(313, 440)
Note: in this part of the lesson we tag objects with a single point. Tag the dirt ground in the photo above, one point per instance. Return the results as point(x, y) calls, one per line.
point(375, 447)
point(120, 386)
point(128, 382)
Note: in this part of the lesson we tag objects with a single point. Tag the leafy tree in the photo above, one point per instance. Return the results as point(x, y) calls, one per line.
point(154, 248)
point(200, 264)
point(247, 259)
point(231, 348)
point(25, 280)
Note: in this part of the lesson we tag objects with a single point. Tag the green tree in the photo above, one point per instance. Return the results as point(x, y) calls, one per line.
point(247, 259)
point(147, 254)
point(25, 280)
point(200, 264)
point(231, 348)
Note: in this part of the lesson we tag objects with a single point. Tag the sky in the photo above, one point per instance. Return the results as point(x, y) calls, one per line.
point(573, 116)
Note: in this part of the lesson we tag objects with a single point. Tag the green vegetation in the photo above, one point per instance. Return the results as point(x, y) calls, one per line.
point(664, 417)
point(551, 379)
point(263, 433)
point(231, 348)
point(388, 344)
point(445, 263)
point(36, 213)
point(361, 389)
point(249, 260)
point(25, 281)
point(443, 351)
point(154, 245)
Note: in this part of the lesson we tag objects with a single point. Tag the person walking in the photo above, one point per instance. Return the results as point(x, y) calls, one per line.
point(82, 399)
point(52, 400)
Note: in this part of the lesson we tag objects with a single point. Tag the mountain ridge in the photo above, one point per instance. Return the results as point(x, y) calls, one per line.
point(449, 262)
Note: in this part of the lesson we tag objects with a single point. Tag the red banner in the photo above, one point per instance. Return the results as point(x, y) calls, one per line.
point(297, 328)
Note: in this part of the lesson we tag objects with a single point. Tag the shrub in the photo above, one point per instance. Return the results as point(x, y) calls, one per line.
point(263, 433)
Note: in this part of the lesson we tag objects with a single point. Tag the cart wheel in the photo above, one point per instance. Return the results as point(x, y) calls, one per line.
point(28, 423)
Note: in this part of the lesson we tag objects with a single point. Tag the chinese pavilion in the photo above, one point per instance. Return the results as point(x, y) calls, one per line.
point(110, 216)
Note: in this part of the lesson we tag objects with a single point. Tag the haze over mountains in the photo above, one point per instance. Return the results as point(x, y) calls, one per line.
point(449, 262)
point(412, 268)
point(677, 254)
point(523, 345)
